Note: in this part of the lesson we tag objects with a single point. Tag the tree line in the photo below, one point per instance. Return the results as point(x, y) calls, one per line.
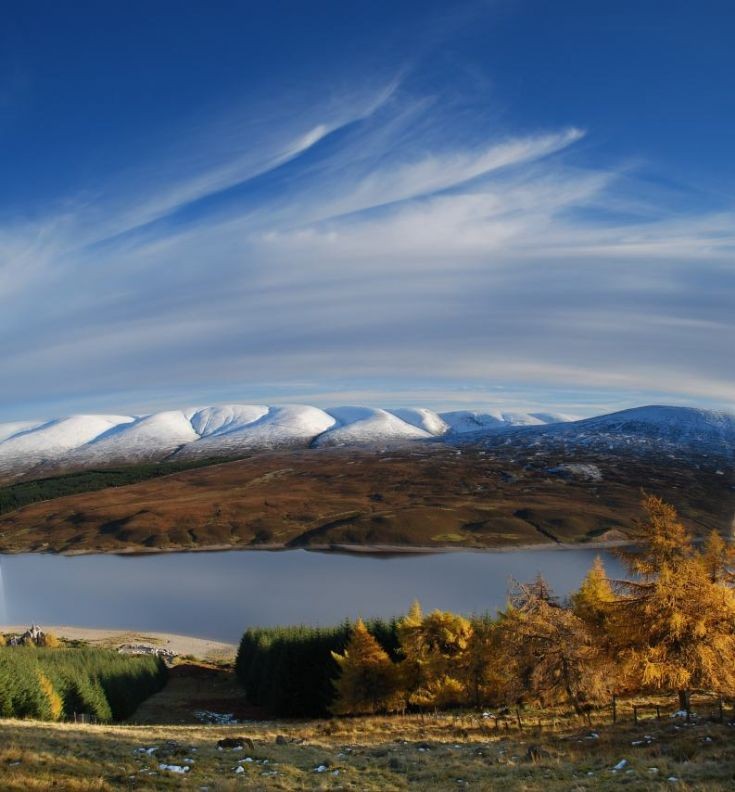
point(669, 626)
point(289, 671)
point(22, 493)
point(58, 684)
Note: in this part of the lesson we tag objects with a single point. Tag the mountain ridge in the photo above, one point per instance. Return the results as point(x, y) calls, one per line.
point(82, 441)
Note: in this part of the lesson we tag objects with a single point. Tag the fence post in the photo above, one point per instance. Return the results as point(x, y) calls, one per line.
point(635, 713)
point(518, 717)
point(658, 712)
point(719, 705)
point(615, 709)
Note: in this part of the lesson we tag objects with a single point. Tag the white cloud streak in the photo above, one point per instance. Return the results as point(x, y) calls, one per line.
point(360, 241)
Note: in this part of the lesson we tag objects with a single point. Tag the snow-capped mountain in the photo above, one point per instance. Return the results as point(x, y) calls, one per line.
point(83, 441)
point(362, 425)
point(292, 425)
point(461, 421)
point(52, 440)
point(228, 430)
point(656, 428)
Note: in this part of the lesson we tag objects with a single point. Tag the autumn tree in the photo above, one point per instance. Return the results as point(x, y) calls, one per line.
point(719, 559)
point(594, 602)
point(550, 654)
point(661, 540)
point(675, 628)
point(368, 679)
point(435, 650)
point(483, 672)
point(53, 705)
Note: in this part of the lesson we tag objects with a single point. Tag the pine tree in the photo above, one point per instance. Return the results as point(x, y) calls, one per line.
point(368, 680)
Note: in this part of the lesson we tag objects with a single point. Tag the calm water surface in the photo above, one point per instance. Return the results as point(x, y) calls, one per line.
point(218, 595)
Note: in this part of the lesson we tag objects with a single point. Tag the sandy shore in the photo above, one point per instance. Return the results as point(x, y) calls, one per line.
point(201, 648)
point(377, 549)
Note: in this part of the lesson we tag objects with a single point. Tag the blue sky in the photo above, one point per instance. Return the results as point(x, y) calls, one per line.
point(512, 203)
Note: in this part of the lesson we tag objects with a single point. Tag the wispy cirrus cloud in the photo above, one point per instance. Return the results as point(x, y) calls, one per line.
point(376, 241)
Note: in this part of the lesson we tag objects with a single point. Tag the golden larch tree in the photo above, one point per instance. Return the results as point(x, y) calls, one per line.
point(368, 679)
point(594, 601)
point(435, 649)
point(675, 624)
point(550, 655)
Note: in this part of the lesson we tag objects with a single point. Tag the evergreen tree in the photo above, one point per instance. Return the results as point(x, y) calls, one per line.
point(368, 679)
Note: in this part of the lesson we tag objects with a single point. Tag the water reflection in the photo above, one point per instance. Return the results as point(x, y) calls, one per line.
point(218, 595)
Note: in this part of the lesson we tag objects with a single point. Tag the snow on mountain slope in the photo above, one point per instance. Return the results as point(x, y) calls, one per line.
point(552, 417)
point(367, 425)
point(225, 418)
point(54, 439)
point(149, 438)
point(7, 430)
point(228, 430)
point(673, 424)
point(658, 428)
point(279, 427)
point(462, 421)
point(422, 418)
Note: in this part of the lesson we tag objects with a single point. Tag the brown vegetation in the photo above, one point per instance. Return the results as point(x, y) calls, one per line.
point(429, 497)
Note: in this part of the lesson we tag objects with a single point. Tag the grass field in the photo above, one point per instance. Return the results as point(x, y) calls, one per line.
point(551, 753)
point(437, 753)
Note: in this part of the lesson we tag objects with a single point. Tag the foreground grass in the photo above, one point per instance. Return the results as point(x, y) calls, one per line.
point(417, 752)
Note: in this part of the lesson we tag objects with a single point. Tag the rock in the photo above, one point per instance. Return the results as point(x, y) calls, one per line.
point(235, 743)
point(33, 636)
point(281, 740)
point(218, 718)
point(620, 765)
point(144, 649)
point(174, 768)
point(239, 769)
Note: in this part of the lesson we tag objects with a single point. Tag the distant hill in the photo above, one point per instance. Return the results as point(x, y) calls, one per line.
point(679, 431)
point(227, 431)
point(87, 441)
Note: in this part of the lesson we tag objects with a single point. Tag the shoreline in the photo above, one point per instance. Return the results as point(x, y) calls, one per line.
point(345, 549)
point(208, 649)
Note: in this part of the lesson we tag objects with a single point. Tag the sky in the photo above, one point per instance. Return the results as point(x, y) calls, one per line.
point(518, 203)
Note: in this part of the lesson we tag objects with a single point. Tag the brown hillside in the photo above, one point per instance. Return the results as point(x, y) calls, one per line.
point(429, 497)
